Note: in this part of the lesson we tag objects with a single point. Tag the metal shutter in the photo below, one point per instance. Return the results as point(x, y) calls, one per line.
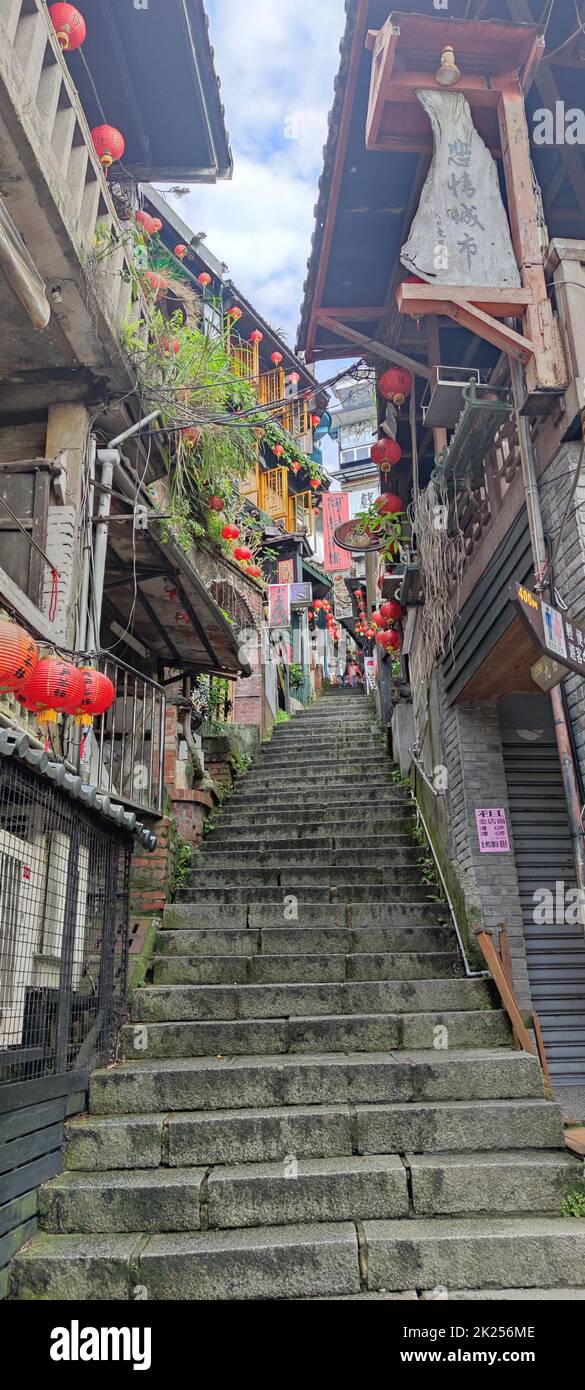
point(542, 847)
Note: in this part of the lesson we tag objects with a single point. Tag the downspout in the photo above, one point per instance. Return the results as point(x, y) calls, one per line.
point(539, 554)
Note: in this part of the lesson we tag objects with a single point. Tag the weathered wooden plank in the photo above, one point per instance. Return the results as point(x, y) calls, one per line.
point(19, 1094)
point(32, 1175)
point(15, 1239)
point(29, 1146)
point(14, 1213)
point(30, 1119)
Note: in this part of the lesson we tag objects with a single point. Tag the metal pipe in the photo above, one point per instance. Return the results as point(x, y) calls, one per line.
point(414, 753)
point(539, 553)
point(471, 974)
point(87, 548)
point(134, 429)
point(106, 458)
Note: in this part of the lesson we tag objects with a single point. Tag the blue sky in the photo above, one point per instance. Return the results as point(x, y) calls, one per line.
point(276, 62)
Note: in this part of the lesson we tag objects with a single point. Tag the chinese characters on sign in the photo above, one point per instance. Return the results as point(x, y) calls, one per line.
point(492, 830)
point(335, 512)
point(279, 605)
point(554, 632)
point(286, 571)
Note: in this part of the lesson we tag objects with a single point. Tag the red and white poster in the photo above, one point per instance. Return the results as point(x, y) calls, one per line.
point(279, 605)
point(335, 512)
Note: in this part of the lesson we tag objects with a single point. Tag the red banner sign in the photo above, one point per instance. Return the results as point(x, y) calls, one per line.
point(335, 512)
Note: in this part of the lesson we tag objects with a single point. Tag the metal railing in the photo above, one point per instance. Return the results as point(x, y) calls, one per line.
point(123, 755)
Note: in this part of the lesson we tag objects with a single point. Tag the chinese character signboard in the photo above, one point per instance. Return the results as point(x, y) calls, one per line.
point(361, 500)
point(279, 605)
point(492, 830)
point(300, 596)
point(335, 512)
point(286, 571)
point(555, 633)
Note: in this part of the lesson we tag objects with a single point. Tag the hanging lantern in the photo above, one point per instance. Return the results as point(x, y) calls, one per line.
point(109, 145)
point(146, 222)
point(55, 687)
point(192, 436)
point(254, 572)
point(157, 282)
point(170, 345)
point(278, 451)
point(226, 533)
point(156, 224)
point(294, 378)
point(256, 336)
point(181, 251)
point(391, 611)
point(216, 504)
point(204, 279)
point(391, 640)
point(98, 695)
point(386, 453)
point(235, 313)
point(295, 467)
point(378, 619)
point(19, 655)
point(395, 385)
point(276, 358)
point(235, 530)
point(315, 420)
point(389, 504)
point(243, 552)
point(315, 482)
point(69, 26)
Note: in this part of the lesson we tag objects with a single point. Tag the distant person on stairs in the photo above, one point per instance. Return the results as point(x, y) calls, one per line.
point(354, 675)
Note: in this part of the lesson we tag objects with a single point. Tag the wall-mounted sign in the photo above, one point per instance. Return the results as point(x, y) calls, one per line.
point(547, 673)
point(301, 596)
point(279, 605)
point(335, 513)
point(492, 830)
point(361, 499)
point(554, 632)
point(286, 571)
point(348, 537)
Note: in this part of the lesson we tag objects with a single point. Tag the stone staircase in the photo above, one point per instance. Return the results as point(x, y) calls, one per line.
point(316, 1102)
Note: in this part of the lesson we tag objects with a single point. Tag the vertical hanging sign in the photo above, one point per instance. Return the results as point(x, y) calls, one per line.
point(335, 512)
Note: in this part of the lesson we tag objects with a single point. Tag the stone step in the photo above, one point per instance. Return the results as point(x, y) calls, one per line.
point(276, 856)
point(263, 894)
point(328, 823)
point(458, 1184)
point(322, 875)
point(263, 1263)
point(475, 1253)
point(313, 799)
point(335, 773)
point(316, 1033)
point(374, 918)
point(277, 840)
point(190, 1199)
point(299, 969)
point(312, 941)
point(192, 1003)
point(262, 1135)
point(213, 1083)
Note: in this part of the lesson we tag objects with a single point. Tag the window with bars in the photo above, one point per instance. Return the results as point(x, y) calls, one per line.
point(63, 930)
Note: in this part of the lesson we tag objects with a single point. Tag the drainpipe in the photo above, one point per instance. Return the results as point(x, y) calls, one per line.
point(107, 458)
point(82, 615)
point(539, 554)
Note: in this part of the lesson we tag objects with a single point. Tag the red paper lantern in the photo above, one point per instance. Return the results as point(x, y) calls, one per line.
point(204, 279)
point(19, 656)
point(378, 619)
point(146, 222)
point(256, 336)
point(294, 378)
point(98, 695)
point(181, 251)
point(69, 26)
point(386, 451)
point(315, 482)
point(395, 385)
point(254, 571)
point(55, 686)
point(243, 552)
point(157, 282)
point(315, 420)
point(278, 451)
point(156, 224)
point(276, 358)
point(235, 530)
point(216, 504)
point(170, 345)
point(226, 533)
point(390, 640)
point(391, 611)
point(109, 145)
point(235, 313)
point(389, 504)
point(192, 436)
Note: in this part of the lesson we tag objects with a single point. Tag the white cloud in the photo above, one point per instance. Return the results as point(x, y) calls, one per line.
point(276, 63)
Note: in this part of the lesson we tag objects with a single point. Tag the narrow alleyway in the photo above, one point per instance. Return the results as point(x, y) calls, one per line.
point(316, 1102)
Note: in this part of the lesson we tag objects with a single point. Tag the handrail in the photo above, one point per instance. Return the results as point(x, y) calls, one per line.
point(415, 755)
point(471, 974)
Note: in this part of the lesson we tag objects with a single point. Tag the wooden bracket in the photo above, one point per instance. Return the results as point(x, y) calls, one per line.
point(478, 308)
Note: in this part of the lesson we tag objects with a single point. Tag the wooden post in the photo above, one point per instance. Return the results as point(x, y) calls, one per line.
point(496, 969)
point(547, 368)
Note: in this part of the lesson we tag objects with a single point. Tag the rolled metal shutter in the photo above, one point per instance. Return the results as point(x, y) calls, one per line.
point(544, 859)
